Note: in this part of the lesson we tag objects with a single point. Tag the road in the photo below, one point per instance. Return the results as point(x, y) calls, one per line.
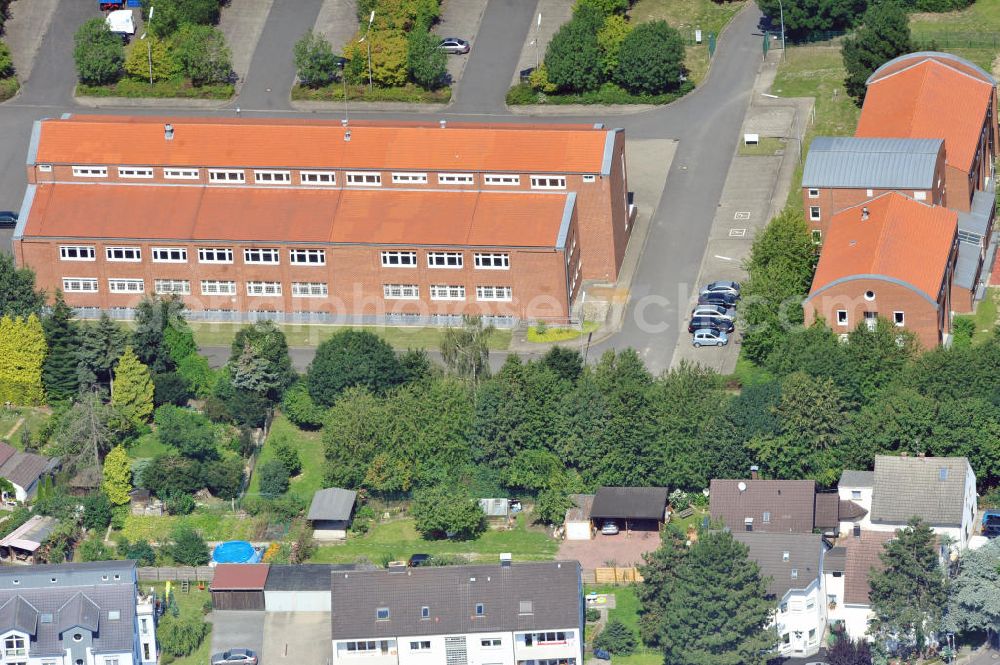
point(706, 123)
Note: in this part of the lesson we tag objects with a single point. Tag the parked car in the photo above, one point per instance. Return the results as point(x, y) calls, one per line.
point(8, 219)
point(454, 45)
point(715, 311)
point(609, 528)
point(419, 560)
point(235, 657)
point(722, 286)
point(709, 337)
point(991, 523)
point(699, 322)
point(602, 654)
point(718, 298)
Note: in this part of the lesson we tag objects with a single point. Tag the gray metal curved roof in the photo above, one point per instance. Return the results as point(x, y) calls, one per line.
point(871, 163)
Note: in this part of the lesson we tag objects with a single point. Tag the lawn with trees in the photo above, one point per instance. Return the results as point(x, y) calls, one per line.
point(182, 54)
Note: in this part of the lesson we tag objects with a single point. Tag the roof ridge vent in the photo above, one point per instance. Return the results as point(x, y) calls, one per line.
point(443, 123)
point(864, 214)
point(168, 132)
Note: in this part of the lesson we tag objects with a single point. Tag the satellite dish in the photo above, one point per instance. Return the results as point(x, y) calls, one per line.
point(742, 486)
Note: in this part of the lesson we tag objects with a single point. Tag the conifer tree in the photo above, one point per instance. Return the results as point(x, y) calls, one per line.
point(132, 388)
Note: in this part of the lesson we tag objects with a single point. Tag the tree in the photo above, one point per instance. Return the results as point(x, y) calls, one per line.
point(96, 511)
point(808, 17)
point(273, 479)
point(139, 551)
point(426, 63)
point(102, 344)
point(288, 456)
point(94, 549)
point(974, 595)
point(566, 363)
point(447, 510)
point(172, 474)
point(117, 482)
point(883, 35)
point(269, 367)
point(6, 61)
point(714, 608)
point(315, 61)
point(172, 15)
point(59, 371)
point(352, 358)
point(99, 53)
point(849, 652)
point(22, 350)
point(658, 573)
point(300, 408)
point(199, 376)
point(187, 431)
point(170, 388)
point(224, 477)
point(388, 58)
point(616, 638)
point(573, 57)
point(188, 548)
point(606, 7)
point(153, 315)
point(18, 296)
point(909, 594)
point(84, 433)
point(651, 59)
point(151, 57)
point(203, 54)
point(132, 389)
point(466, 350)
point(610, 37)
point(180, 635)
point(179, 504)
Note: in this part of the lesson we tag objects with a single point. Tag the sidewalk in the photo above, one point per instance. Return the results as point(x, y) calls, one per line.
point(24, 30)
point(756, 189)
point(554, 13)
point(337, 21)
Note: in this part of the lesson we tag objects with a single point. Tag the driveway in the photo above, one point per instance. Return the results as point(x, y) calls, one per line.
point(296, 638)
point(234, 629)
point(623, 549)
point(460, 18)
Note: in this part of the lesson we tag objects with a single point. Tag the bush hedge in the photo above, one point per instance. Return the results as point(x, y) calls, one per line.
point(160, 89)
point(609, 93)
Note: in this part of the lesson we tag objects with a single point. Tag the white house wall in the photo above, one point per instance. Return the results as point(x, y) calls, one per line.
point(855, 618)
point(800, 618)
point(297, 601)
point(511, 649)
point(847, 493)
point(578, 530)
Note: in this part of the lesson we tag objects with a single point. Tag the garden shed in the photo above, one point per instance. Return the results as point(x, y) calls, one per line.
point(239, 586)
point(330, 513)
point(577, 523)
point(299, 588)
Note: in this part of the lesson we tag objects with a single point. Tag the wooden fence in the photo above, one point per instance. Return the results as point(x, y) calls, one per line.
point(611, 576)
point(176, 574)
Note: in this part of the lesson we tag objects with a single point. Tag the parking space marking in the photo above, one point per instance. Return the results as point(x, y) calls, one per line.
point(737, 233)
point(724, 258)
point(742, 215)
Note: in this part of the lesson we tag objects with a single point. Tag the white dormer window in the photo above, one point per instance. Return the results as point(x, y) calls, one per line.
point(795, 573)
point(425, 612)
point(784, 556)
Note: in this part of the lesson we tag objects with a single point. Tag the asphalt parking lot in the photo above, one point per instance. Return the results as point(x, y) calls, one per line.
point(233, 629)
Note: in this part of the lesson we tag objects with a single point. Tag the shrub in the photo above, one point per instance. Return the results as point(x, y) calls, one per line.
point(188, 548)
point(94, 549)
point(6, 61)
point(140, 551)
point(96, 511)
point(288, 456)
point(188, 431)
point(151, 57)
point(180, 635)
point(522, 93)
point(573, 58)
point(203, 55)
point(170, 388)
point(179, 504)
point(224, 477)
point(651, 59)
point(300, 408)
point(606, 7)
point(273, 478)
point(539, 79)
point(593, 615)
point(199, 376)
point(425, 62)
point(98, 53)
point(171, 15)
point(963, 328)
point(609, 39)
point(616, 638)
point(447, 511)
point(314, 60)
point(352, 358)
point(172, 474)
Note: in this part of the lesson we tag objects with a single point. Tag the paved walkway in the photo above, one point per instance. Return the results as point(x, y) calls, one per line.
point(241, 22)
point(24, 30)
point(338, 22)
point(553, 14)
point(460, 18)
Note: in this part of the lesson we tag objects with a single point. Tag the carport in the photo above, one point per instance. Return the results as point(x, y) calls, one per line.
point(299, 588)
point(637, 508)
point(239, 586)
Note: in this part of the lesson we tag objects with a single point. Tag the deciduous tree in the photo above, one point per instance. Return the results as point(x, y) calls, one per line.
point(203, 54)
point(99, 53)
point(466, 350)
point(180, 635)
point(151, 57)
point(132, 389)
point(273, 479)
point(388, 58)
point(171, 15)
point(352, 358)
point(96, 511)
point(189, 432)
point(188, 548)
point(447, 510)
point(974, 594)
point(22, 355)
point(651, 59)
point(18, 296)
point(426, 63)
point(315, 62)
point(610, 37)
point(573, 57)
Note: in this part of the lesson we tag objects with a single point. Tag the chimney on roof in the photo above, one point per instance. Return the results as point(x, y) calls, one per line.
point(753, 472)
point(168, 132)
point(443, 123)
point(864, 214)
point(347, 135)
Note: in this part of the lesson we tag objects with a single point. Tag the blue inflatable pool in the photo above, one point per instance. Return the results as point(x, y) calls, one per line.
point(236, 551)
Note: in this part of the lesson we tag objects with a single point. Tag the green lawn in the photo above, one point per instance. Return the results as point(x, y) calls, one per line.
point(301, 334)
point(748, 374)
point(398, 540)
point(972, 33)
point(767, 147)
point(627, 611)
point(147, 446)
point(561, 334)
point(213, 525)
point(818, 71)
point(33, 419)
point(986, 315)
point(310, 447)
point(188, 603)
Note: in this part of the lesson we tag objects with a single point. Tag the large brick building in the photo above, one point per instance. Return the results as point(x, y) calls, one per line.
point(317, 221)
point(891, 257)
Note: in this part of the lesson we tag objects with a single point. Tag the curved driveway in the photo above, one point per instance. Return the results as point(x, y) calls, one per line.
point(706, 123)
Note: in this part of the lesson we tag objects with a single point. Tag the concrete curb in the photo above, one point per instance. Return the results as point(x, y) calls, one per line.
point(577, 110)
point(152, 102)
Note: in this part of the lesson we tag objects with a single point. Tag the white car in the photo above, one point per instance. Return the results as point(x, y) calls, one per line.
point(609, 528)
point(709, 337)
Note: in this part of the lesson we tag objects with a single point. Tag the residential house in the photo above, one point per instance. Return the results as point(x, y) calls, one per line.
point(24, 470)
point(892, 257)
point(330, 513)
point(855, 487)
point(76, 614)
point(847, 571)
point(939, 490)
point(793, 566)
point(773, 506)
point(843, 171)
point(942, 96)
point(324, 222)
point(631, 508)
point(511, 614)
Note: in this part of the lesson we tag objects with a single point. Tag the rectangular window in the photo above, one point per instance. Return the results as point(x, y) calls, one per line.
point(218, 287)
point(181, 174)
point(817, 236)
point(126, 286)
point(45, 168)
point(363, 646)
point(425, 612)
point(445, 292)
point(262, 255)
point(399, 259)
point(14, 646)
point(309, 289)
point(502, 180)
point(785, 556)
point(795, 573)
point(401, 291)
point(178, 286)
point(135, 171)
point(77, 253)
point(79, 285)
point(869, 193)
point(841, 317)
point(480, 609)
point(423, 645)
point(382, 614)
point(491, 642)
point(444, 260)
point(814, 213)
point(855, 494)
point(90, 171)
point(263, 288)
point(548, 182)
point(812, 634)
point(309, 257)
point(410, 178)
point(455, 178)
point(899, 318)
point(364, 178)
point(920, 196)
point(766, 517)
point(170, 255)
point(590, 178)
point(222, 175)
point(272, 177)
point(810, 603)
point(215, 255)
point(501, 293)
point(318, 177)
point(814, 193)
point(111, 660)
point(492, 261)
point(130, 254)
point(969, 237)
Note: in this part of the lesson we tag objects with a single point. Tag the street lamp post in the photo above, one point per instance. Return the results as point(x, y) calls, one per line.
point(538, 27)
point(368, 43)
point(149, 45)
point(781, 10)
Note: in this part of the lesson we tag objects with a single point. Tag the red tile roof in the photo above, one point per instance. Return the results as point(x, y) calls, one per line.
point(388, 217)
point(901, 239)
point(83, 139)
point(930, 99)
point(240, 577)
point(862, 556)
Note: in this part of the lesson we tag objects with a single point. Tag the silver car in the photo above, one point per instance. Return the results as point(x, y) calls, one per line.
point(454, 45)
point(235, 657)
point(714, 311)
point(709, 337)
point(609, 528)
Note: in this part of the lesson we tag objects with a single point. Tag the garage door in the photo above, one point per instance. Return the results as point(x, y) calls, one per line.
point(297, 601)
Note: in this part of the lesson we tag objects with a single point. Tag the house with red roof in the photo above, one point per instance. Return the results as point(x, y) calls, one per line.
point(891, 257)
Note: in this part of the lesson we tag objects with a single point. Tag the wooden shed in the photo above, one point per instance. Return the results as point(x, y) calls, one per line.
point(239, 586)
